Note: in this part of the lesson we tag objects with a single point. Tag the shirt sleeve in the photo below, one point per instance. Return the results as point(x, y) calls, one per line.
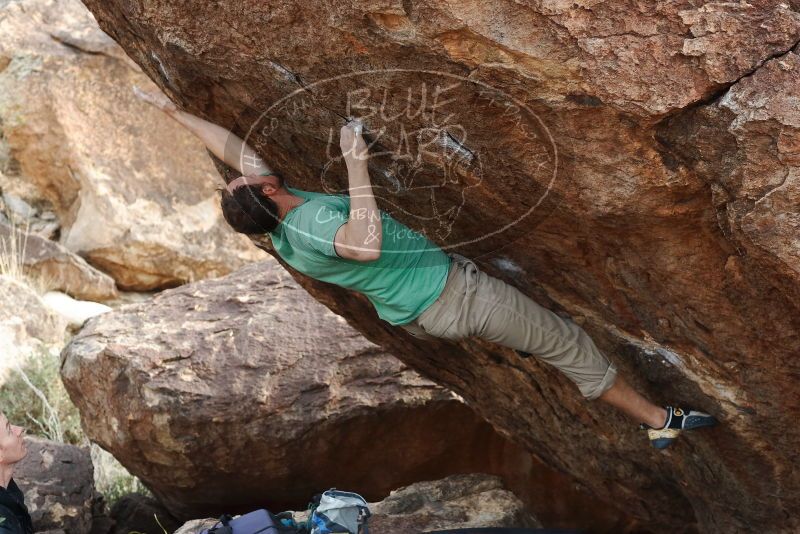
point(318, 226)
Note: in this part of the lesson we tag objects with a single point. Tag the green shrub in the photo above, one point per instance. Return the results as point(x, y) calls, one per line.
point(112, 479)
point(34, 397)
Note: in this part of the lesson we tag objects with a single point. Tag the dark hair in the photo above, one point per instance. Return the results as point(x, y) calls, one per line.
point(248, 210)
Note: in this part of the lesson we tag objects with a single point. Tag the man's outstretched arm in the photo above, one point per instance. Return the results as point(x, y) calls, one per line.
point(222, 143)
point(361, 236)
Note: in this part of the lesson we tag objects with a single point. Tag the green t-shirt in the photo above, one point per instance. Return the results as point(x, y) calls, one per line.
point(409, 275)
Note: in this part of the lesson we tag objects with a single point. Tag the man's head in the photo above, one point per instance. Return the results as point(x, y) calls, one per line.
point(252, 209)
point(12, 445)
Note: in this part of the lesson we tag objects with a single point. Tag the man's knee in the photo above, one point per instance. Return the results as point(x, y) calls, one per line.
point(592, 389)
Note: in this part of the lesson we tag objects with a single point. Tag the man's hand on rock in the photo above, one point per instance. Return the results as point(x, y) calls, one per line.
point(157, 100)
point(354, 149)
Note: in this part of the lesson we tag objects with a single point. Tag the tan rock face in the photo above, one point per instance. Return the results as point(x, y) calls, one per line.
point(133, 190)
point(630, 165)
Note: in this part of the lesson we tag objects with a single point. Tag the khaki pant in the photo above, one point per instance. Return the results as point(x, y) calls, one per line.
point(476, 304)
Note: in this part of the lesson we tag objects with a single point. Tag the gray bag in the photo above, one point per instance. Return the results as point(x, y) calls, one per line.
point(340, 512)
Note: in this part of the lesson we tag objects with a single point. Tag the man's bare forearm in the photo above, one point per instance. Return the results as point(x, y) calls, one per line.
point(364, 231)
point(227, 146)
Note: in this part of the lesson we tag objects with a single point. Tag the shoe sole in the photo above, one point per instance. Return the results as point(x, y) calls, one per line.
point(662, 443)
point(663, 438)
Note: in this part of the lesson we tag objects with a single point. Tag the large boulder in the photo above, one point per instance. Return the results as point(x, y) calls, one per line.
point(58, 483)
point(631, 166)
point(458, 501)
point(133, 190)
point(226, 394)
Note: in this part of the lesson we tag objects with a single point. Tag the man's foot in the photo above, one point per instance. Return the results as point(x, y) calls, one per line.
point(678, 419)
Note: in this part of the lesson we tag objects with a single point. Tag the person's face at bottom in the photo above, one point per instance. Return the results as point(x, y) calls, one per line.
point(12, 443)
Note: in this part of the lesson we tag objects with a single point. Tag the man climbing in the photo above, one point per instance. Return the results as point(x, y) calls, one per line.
point(412, 283)
point(14, 517)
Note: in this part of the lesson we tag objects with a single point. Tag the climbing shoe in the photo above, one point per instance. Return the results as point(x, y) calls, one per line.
point(678, 419)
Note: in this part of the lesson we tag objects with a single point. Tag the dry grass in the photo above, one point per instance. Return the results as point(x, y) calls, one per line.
point(12, 259)
point(12, 253)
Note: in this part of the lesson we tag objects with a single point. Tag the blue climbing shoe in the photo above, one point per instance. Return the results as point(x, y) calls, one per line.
point(678, 419)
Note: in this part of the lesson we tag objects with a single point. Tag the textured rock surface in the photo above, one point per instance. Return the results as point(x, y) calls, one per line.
point(58, 484)
point(668, 151)
point(226, 394)
point(746, 146)
point(57, 267)
point(71, 126)
point(196, 525)
point(458, 501)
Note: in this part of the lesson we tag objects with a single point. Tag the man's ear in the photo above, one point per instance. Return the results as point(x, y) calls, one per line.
point(269, 189)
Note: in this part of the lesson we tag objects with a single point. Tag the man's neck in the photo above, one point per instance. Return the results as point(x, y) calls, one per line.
point(286, 203)
point(6, 473)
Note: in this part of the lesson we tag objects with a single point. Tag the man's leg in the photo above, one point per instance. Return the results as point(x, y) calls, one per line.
point(622, 396)
point(476, 304)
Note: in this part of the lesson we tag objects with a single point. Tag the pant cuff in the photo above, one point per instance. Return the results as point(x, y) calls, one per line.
point(604, 385)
